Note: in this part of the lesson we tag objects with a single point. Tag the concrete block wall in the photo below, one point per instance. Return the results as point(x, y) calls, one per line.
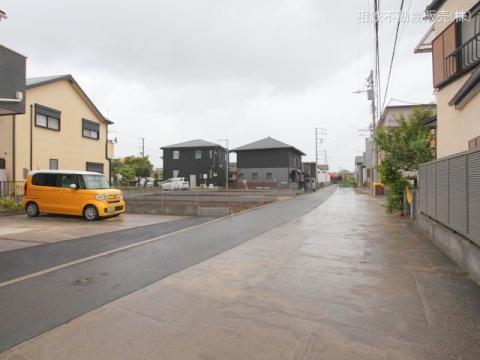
point(462, 251)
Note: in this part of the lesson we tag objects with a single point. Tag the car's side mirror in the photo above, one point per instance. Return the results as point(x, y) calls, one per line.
point(73, 186)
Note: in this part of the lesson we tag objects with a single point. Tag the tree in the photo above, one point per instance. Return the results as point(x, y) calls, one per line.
point(403, 149)
point(141, 165)
point(132, 168)
point(127, 173)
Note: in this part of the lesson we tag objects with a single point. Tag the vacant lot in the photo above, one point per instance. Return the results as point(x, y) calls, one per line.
point(187, 202)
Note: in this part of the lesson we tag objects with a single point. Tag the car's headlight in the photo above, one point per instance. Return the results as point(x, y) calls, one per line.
point(100, 196)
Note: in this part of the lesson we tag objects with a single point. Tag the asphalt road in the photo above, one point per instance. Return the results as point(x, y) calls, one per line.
point(24, 261)
point(31, 307)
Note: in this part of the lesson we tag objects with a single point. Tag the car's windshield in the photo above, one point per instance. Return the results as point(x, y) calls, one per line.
point(95, 182)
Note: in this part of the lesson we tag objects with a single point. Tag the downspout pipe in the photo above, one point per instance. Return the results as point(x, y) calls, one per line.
point(31, 137)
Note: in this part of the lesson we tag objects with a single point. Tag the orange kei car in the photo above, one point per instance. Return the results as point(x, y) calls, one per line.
point(81, 193)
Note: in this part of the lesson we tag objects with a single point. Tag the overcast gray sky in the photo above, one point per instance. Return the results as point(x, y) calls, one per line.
point(176, 70)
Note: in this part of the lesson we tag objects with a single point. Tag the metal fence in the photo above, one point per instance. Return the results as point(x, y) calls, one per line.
point(11, 189)
point(449, 192)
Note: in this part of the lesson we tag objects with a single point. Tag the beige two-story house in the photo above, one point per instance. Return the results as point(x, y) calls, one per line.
point(454, 41)
point(60, 129)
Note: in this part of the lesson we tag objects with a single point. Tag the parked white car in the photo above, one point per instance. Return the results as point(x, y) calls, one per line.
point(176, 184)
point(149, 182)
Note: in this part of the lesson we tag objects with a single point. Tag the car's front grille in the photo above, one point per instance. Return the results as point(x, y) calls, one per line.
point(112, 199)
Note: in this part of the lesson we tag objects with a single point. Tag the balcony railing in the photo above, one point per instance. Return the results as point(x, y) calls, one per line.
point(464, 58)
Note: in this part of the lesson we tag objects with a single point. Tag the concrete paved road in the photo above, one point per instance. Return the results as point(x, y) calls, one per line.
point(31, 307)
point(345, 281)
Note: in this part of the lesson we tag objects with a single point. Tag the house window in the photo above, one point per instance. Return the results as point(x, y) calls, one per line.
point(210, 173)
point(215, 174)
point(254, 176)
point(198, 154)
point(176, 155)
point(211, 153)
point(95, 167)
point(47, 118)
point(90, 129)
point(53, 164)
point(176, 173)
point(269, 176)
point(2, 163)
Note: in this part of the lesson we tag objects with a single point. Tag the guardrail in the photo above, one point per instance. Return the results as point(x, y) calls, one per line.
point(11, 188)
point(449, 192)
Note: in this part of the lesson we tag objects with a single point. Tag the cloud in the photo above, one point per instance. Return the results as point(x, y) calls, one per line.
point(177, 70)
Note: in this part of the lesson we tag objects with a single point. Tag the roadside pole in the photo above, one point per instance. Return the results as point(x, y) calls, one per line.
point(228, 162)
point(370, 90)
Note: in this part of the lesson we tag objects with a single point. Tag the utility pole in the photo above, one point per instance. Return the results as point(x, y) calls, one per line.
point(323, 155)
point(370, 90)
point(228, 161)
point(371, 96)
point(142, 146)
point(320, 138)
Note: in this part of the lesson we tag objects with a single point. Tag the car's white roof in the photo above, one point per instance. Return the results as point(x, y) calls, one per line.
point(63, 172)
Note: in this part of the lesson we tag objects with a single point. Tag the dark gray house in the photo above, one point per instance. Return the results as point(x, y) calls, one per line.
point(200, 162)
point(310, 170)
point(269, 161)
point(12, 82)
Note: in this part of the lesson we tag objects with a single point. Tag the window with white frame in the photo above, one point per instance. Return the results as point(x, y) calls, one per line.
point(176, 155)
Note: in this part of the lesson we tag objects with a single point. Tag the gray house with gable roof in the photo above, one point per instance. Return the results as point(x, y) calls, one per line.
point(269, 161)
point(200, 162)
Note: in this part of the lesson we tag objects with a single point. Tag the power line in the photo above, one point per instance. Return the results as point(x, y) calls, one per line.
point(394, 50)
point(376, 5)
point(343, 142)
point(408, 12)
point(404, 102)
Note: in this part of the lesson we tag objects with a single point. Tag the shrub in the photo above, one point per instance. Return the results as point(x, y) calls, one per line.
point(9, 203)
point(404, 148)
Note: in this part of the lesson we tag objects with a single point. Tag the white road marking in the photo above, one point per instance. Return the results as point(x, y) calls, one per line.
point(105, 253)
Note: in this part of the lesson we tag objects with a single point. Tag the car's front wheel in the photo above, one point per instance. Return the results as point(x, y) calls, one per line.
point(32, 209)
point(90, 213)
